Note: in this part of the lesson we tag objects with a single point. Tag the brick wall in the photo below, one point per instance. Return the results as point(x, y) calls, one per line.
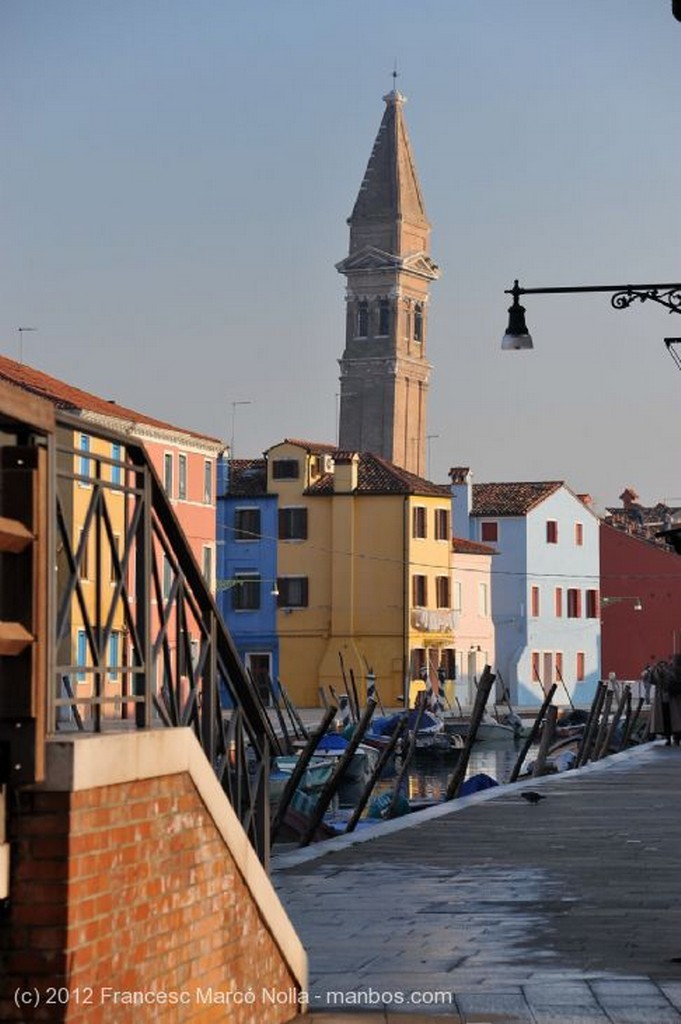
point(131, 888)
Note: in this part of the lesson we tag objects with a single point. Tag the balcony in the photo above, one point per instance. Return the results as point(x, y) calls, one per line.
point(433, 620)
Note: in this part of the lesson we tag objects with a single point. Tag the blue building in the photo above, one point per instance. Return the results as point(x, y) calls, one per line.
point(247, 563)
point(545, 580)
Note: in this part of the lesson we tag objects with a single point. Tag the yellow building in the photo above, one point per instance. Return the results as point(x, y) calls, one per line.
point(364, 553)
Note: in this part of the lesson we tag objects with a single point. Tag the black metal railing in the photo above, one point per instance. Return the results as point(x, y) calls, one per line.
point(139, 642)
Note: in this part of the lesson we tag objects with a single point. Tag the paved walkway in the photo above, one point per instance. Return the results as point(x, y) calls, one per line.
point(491, 909)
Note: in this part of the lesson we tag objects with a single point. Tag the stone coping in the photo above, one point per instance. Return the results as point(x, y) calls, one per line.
point(76, 763)
point(293, 858)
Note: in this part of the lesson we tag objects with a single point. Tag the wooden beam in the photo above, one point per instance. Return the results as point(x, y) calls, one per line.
point(25, 408)
point(13, 638)
point(14, 536)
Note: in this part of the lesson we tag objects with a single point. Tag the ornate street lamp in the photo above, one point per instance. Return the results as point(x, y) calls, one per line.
point(517, 336)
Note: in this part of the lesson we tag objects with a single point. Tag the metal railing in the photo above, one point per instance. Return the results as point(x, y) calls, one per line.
point(139, 642)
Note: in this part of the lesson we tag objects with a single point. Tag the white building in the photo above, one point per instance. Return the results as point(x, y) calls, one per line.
point(545, 579)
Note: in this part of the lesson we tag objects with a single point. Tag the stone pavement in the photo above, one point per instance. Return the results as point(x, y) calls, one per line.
point(492, 909)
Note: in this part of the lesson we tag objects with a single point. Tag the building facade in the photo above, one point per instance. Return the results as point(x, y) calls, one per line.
point(384, 370)
point(247, 565)
point(185, 463)
point(472, 598)
point(363, 573)
point(641, 602)
point(545, 583)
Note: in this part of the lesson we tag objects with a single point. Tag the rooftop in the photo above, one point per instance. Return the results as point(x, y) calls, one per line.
point(66, 396)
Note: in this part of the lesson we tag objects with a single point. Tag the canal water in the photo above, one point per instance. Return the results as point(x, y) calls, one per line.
point(428, 776)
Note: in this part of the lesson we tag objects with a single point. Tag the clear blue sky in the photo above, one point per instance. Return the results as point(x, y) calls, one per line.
point(175, 180)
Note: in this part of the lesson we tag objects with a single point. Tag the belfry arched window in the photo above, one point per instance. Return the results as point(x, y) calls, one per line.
point(418, 322)
point(383, 318)
point(362, 319)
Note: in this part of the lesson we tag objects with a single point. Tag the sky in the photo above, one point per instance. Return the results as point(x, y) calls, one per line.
point(177, 174)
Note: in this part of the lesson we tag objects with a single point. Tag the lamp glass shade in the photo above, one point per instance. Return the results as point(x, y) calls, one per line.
point(516, 342)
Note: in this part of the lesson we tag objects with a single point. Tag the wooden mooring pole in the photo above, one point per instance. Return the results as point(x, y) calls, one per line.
point(590, 727)
point(326, 795)
point(539, 766)
point(533, 733)
point(299, 770)
point(485, 684)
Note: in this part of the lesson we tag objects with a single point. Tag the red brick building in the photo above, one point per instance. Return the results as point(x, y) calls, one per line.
point(637, 570)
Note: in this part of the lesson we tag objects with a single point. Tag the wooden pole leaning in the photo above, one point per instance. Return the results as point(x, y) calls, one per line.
point(485, 684)
point(533, 732)
point(330, 787)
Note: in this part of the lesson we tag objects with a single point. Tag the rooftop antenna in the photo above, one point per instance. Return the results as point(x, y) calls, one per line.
point(21, 340)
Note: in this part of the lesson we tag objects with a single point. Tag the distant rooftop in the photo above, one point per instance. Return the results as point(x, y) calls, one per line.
point(66, 396)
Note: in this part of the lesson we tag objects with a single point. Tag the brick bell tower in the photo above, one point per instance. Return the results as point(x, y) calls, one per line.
point(384, 371)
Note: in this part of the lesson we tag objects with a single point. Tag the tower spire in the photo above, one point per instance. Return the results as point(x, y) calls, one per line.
point(384, 370)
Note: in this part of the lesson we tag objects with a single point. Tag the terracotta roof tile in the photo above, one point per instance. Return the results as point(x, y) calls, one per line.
point(65, 396)
point(510, 499)
point(463, 546)
point(376, 475)
point(314, 447)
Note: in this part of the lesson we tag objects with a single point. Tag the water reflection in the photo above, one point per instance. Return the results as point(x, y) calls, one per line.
point(428, 776)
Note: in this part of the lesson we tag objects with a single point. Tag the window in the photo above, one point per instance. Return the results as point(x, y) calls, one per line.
point(362, 319)
point(383, 318)
point(208, 565)
point(489, 532)
point(579, 534)
point(547, 681)
point(441, 524)
point(260, 668)
point(182, 477)
point(285, 469)
point(84, 463)
point(116, 469)
point(559, 666)
point(419, 522)
point(246, 592)
point(115, 547)
point(442, 591)
point(419, 591)
point(114, 646)
point(418, 322)
point(574, 603)
point(167, 577)
point(247, 524)
point(558, 602)
point(448, 662)
point(418, 663)
point(168, 474)
point(483, 599)
point(293, 523)
point(592, 604)
point(536, 670)
point(580, 666)
point(81, 655)
point(207, 482)
point(534, 602)
point(551, 531)
point(84, 547)
point(293, 592)
point(457, 596)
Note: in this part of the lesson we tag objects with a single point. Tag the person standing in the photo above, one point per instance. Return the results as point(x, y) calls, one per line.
point(665, 715)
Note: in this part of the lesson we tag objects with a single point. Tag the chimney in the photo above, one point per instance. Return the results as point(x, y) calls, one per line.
point(628, 497)
point(345, 472)
point(462, 501)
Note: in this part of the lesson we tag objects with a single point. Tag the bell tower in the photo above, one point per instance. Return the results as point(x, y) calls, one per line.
point(384, 372)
